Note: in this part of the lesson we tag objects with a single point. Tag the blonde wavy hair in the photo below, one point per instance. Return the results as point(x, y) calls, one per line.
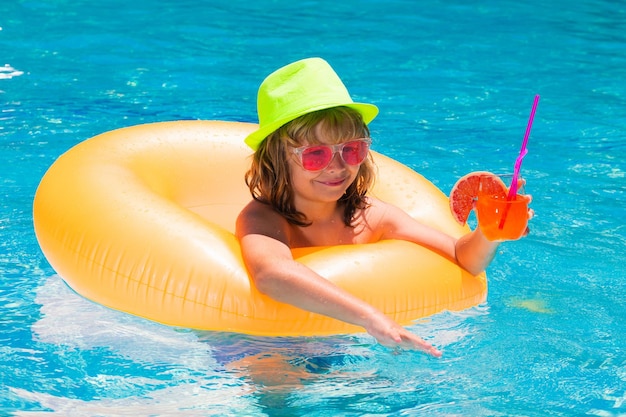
point(269, 177)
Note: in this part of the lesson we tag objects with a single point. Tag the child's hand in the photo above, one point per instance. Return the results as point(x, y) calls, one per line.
point(389, 333)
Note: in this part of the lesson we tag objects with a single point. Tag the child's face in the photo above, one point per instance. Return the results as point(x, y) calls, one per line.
point(325, 185)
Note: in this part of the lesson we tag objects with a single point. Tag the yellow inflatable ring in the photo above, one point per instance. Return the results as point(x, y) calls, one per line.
point(141, 220)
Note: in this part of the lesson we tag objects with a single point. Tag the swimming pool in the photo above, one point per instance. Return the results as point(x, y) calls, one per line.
point(454, 83)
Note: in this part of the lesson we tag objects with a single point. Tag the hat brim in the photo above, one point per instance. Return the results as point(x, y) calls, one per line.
point(254, 139)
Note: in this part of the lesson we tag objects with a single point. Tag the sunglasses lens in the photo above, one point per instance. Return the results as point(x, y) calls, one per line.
point(316, 158)
point(355, 152)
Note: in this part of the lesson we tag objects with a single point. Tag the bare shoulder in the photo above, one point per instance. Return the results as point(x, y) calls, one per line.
point(261, 219)
point(381, 212)
point(374, 221)
point(389, 221)
point(254, 209)
point(395, 223)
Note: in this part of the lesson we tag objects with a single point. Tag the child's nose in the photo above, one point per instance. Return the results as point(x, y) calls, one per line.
point(337, 162)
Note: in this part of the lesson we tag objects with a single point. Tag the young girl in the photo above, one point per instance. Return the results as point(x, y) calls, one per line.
point(309, 180)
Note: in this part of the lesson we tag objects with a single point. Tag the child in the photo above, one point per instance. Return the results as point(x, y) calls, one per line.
point(309, 180)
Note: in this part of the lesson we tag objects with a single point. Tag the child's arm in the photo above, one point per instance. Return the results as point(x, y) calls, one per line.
point(472, 251)
point(275, 273)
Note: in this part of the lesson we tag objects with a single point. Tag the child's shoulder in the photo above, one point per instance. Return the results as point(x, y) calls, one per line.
point(381, 214)
point(256, 208)
point(375, 213)
point(258, 217)
point(377, 206)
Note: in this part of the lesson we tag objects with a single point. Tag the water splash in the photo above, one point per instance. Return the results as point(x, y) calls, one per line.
point(8, 72)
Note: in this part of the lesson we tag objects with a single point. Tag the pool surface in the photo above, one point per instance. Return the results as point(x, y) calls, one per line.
point(454, 82)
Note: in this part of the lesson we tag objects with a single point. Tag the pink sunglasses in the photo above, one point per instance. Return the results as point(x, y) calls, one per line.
point(318, 157)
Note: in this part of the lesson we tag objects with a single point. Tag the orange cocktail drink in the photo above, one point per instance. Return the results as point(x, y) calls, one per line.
point(500, 218)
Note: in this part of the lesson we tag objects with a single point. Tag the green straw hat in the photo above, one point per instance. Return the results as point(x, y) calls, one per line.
point(297, 89)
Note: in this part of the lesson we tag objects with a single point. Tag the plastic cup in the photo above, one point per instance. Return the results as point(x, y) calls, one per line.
point(491, 209)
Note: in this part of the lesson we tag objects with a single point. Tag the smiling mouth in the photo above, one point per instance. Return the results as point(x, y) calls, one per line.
point(334, 183)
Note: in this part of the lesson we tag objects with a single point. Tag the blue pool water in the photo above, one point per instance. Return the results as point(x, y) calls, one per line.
point(454, 81)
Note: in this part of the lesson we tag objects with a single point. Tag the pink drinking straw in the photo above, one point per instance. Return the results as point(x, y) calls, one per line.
point(518, 162)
